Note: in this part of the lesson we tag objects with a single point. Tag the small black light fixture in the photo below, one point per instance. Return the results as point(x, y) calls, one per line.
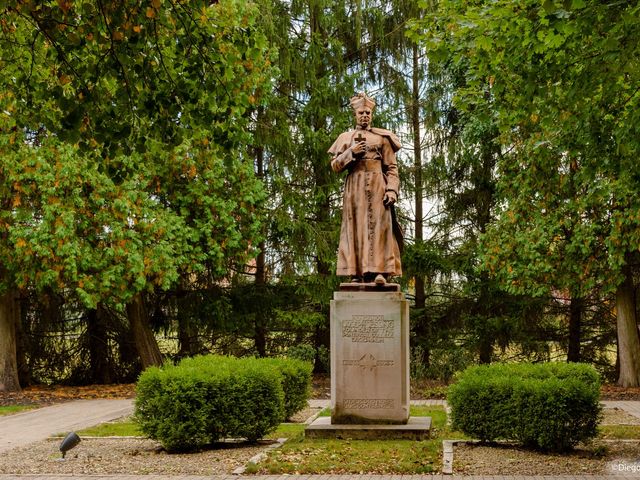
point(71, 440)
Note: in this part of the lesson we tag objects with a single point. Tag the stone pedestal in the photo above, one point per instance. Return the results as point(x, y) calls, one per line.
point(370, 357)
point(370, 367)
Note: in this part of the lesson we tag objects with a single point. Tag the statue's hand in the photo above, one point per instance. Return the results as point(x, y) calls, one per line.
point(390, 198)
point(359, 148)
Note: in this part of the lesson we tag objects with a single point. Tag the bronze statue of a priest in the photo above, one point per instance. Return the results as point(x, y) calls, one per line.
point(370, 238)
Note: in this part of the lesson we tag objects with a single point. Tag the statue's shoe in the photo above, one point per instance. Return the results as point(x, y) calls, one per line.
point(380, 280)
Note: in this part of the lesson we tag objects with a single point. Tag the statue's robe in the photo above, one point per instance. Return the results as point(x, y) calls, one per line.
point(369, 238)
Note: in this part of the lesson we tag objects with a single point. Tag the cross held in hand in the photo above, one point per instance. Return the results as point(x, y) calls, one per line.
point(360, 138)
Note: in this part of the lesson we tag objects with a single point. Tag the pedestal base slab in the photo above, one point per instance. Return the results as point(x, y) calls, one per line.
point(417, 428)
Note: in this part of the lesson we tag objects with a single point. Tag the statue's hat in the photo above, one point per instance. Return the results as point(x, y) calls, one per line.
point(362, 100)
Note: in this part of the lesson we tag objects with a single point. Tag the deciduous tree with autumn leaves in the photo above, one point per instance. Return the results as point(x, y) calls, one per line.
point(123, 139)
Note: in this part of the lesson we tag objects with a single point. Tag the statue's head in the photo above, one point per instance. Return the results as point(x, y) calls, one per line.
point(363, 106)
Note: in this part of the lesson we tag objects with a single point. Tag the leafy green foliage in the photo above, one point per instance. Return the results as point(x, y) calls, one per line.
point(564, 98)
point(296, 383)
point(549, 406)
point(123, 127)
point(205, 399)
point(208, 398)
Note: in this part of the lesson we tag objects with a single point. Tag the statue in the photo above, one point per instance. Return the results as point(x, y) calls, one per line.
point(370, 237)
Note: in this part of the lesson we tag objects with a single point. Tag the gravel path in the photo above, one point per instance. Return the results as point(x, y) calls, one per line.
point(25, 428)
point(127, 456)
point(315, 477)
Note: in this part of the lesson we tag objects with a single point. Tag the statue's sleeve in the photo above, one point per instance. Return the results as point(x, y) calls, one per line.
point(341, 154)
point(390, 166)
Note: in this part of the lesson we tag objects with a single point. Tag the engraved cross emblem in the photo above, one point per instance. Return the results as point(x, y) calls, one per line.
point(368, 361)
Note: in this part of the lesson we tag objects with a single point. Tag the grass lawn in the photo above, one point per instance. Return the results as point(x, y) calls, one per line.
point(308, 456)
point(619, 432)
point(120, 428)
point(11, 409)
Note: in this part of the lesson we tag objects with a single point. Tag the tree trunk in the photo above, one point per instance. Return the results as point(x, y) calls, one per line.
point(9, 316)
point(260, 336)
point(99, 354)
point(143, 337)
point(485, 351)
point(417, 167)
point(22, 349)
point(628, 339)
point(482, 311)
point(575, 325)
point(188, 339)
point(321, 338)
point(260, 324)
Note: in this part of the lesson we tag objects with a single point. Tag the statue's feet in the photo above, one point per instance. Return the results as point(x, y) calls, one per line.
point(380, 280)
point(356, 279)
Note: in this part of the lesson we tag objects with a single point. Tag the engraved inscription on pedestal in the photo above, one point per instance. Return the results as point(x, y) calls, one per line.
point(369, 358)
point(367, 328)
point(368, 403)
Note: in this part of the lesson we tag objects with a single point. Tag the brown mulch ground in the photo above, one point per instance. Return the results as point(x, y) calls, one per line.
point(614, 392)
point(43, 395)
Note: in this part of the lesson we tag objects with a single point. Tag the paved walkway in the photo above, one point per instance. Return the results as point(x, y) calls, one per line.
point(31, 426)
point(629, 406)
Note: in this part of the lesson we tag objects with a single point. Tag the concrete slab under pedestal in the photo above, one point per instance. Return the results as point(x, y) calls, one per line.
point(417, 428)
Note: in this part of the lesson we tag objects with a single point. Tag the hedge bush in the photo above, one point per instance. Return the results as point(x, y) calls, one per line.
point(205, 399)
point(296, 383)
point(551, 406)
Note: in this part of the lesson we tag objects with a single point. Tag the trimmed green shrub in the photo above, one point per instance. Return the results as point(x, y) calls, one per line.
point(205, 399)
point(296, 383)
point(551, 406)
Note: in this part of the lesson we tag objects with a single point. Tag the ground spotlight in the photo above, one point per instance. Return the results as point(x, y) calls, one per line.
point(71, 440)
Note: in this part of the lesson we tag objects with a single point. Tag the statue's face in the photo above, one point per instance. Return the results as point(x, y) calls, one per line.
point(363, 116)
